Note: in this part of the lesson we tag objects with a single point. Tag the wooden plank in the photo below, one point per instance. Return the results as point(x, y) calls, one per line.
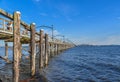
point(3, 37)
point(41, 49)
point(33, 49)
point(46, 49)
point(6, 14)
point(16, 46)
point(5, 59)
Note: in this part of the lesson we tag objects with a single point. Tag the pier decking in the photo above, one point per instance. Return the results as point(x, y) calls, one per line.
point(22, 33)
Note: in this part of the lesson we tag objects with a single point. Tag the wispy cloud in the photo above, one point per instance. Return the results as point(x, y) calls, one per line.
point(56, 32)
point(55, 16)
point(118, 18)
point(37, 0)
point(108, 40)
point(43, 14)
point(68, 19)
point(68, 11)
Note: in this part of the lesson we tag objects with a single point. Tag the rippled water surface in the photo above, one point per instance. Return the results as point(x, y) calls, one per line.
point(82, 64)
point(85, 64)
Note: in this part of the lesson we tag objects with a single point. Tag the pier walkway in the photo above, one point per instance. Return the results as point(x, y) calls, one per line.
point(13, 29)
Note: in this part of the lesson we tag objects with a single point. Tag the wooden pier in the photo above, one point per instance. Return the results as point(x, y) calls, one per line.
point(22, 33)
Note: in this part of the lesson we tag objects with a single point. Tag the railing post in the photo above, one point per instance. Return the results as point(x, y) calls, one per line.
point(3, 24)
point(32, 48)
point(41, 47)
point(46, 49)
point(16, 46)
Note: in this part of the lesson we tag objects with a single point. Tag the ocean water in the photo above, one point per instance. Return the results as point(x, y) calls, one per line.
point(82, 64)
point(85, 64)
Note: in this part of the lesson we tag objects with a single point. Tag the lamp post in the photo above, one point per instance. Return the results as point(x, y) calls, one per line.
point(51, 27)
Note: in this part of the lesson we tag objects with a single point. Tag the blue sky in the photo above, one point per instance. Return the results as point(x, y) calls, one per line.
point(82, 21)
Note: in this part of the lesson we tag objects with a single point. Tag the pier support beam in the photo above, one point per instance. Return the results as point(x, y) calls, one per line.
point(16, 46)
point(6, 50)
point(46, 49)
point(41, 45)
point(33, 49)
point(57, 48)
point(50, 50)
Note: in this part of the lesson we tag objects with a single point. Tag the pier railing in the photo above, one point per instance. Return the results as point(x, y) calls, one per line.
point(21, 33)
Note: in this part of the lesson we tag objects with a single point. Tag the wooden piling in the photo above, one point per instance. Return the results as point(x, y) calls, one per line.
point(16, 46)
point(46, 49)
point(41, 49)
point(50, 50)
point(6, 50)
point(32, 48)
point(57, 48)
point(44, 46)
point(20, 56)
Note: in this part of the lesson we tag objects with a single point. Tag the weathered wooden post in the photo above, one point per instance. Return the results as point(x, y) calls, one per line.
point(16, 46)
point(20, 56)
point(3, 24)
point(53, 49)
point(41, 49)
point(6, 50)
point(32, 48)
point(46, 49)
point(57, 48)
point(50, 49)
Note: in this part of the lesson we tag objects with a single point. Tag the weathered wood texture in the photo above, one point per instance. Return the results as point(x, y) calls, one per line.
point(4, 13)
point(41, 63)
point(16, 46)
point(46, 49)
point(33, 49)
point(6, 50)
point(5, 59)
point(57, 48)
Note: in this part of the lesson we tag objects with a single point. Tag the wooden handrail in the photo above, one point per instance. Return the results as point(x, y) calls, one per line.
point(4, 13)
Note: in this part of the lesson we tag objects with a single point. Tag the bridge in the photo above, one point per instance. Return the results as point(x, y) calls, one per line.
point(13, 29)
